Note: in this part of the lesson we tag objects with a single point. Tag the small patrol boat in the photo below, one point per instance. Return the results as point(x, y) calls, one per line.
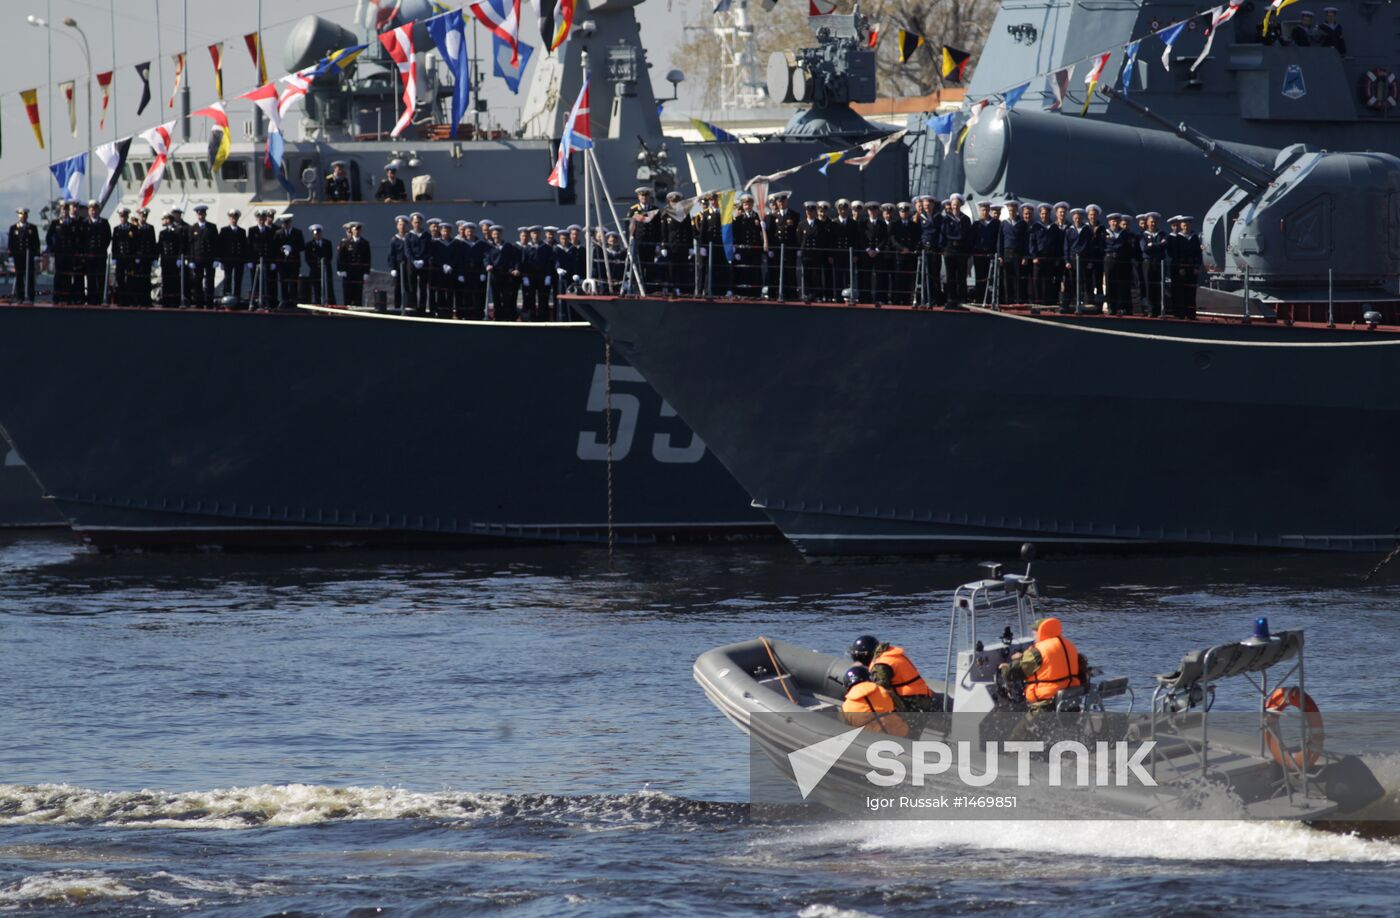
point(1266, 763)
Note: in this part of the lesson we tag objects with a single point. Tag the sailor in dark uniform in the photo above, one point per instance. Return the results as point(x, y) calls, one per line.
point(147, 251)
point(260, 239)
point(1076, 239)
point(1184, 257)
point(1047, 249)
point(1120, 244)
point(172, 262)
point(398, 261)
point(320, 262)
point(955, 228)
point(870, 260)
point(337, 183)
point(677, 246)
point(503, 271)
point(287, 245)
point(392, 188)
point(904, 243)
point(612, 260)
point(55, 245)
point(812, 243)
point(986, 230)
point(24, 249)
point(1329, 32)
point(747, 229)
point(1302, 34)
point(96, 244)
point(469, 255)
point(928, 216)
point(203, 252)
point(709, 248)
point(353, 263)
point(1013, 250)
point(783, 243)
point(233, 255)
point(416, 247)
point(1154, 252)
point(1091, 260)
point(549, 294)
point(539, 271)
point(645, 233)
point(124, 244)
point(570, 260)
point(185, 283)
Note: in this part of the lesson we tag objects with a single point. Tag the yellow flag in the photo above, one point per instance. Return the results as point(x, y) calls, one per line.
point(31, 107)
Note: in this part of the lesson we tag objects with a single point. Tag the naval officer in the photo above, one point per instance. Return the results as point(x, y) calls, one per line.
point(24, 249)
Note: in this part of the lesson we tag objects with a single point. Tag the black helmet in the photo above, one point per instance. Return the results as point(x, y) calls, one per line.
point(855, 675)
point(863, 648)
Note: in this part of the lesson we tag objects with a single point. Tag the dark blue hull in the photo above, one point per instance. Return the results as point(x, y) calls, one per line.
point(152, 427)
point(865, 431)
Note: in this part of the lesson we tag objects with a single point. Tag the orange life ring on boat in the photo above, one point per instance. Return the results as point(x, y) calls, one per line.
point(1301, 758)
point(1379, 89)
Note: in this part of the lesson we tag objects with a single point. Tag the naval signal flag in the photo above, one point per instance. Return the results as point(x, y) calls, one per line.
point(219, 141)
point(399, 43)
point(449, 33)
point(954, 63)
point(578, 135)
point(104, 80)
point(31, 108)
point(909, 42)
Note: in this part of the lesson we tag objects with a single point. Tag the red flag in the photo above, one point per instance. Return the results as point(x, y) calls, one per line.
point(873, 40)
point(105, 81)
point(159, 139)
point(399, 44)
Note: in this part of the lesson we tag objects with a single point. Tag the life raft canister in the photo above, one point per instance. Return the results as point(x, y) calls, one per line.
point(1297, 758)
point(1379, 89)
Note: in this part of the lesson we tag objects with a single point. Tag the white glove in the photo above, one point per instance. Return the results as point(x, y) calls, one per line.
point(576, 278)
point(700, 252)
point(418, 263)
point(527, 281)
point(393, 273)
point(549, 281)
point(340, 273)
point(461, 279)
point(737, 257)
point(218, 264)
point(483, 278)
point(286, 250)
point(179, 262)
point(663, 253)
point(249, 266)
point(770, 255)
point(560, 271)
point(446, 269)
point(271, 266)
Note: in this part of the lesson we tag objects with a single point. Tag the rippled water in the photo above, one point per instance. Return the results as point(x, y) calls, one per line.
point(519, 731)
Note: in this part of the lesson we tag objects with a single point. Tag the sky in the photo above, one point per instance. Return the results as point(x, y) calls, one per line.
point(154, 30)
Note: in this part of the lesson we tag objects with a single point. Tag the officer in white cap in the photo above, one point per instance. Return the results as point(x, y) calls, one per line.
point(203, 247)
point(353, 263)
point(338, 183)
point(320, 258)
point(233, 255)
point(288, 244)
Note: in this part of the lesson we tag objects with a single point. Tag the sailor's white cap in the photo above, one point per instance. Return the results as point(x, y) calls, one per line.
point(316, 227)
point(198, 208)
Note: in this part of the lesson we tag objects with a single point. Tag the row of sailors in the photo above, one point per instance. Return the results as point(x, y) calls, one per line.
point(921, 252)
point(270, 257)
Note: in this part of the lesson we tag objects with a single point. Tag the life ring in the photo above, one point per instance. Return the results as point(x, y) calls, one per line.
point(1379, 89)
point(1299, 759)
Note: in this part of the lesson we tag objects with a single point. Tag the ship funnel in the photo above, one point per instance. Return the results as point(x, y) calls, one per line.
point(313, 38)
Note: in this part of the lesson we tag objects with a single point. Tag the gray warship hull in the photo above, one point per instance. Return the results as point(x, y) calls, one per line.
point(191, 428)
point(894, 431)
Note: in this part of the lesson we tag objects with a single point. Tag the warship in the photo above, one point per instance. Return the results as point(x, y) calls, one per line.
point(21, 506)
point(1265, 423)
point(172, 428)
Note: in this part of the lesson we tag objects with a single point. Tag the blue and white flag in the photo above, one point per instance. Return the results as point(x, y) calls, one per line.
point(1169, 35)
point(1012, 96)
point(502, 54)
point(449, 33)
point(69, 175)
point(1130, 53)
point(942, 128)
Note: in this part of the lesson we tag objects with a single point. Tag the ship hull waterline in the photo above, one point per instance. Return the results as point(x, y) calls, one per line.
point(170, 428)
point(866, 431)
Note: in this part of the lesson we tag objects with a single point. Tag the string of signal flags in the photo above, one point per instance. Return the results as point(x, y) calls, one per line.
point(501, 18)
point(1057, 81)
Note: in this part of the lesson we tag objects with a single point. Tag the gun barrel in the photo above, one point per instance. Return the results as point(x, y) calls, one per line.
point(1246, 171)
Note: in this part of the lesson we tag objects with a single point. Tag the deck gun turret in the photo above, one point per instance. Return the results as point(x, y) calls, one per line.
point(1280, 229)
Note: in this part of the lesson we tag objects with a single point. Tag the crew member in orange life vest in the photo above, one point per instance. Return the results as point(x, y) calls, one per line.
point(1049, 666)
point(891, 668)
point(870, 705)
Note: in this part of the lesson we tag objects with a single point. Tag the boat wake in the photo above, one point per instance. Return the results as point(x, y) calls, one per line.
point(270, 805)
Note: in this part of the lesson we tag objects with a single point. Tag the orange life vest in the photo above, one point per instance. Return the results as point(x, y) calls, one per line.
point(906, 680)
point(872, 706)
point(1059, 663)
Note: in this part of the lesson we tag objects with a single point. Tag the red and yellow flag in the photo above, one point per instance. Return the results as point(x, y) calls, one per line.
point(216, 51)
point(105, 81)
point(31, 106)
point(255, 50)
